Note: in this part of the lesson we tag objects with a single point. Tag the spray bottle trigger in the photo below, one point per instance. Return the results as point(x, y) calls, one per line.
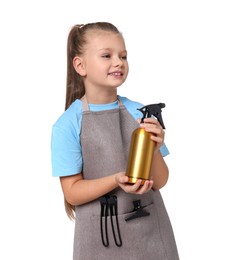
point(155, 110)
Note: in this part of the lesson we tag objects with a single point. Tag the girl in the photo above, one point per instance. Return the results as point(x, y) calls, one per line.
point(90, 144)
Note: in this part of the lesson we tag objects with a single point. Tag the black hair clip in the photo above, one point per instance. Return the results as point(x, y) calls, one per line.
point(112, 202)
point(104, 213)
point(109, 203)
point(138, 211)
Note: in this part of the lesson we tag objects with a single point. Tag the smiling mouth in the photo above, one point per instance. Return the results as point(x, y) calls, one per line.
point(116, 73)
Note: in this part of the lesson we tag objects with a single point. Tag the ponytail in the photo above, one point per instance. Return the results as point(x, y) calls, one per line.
point(74, 84)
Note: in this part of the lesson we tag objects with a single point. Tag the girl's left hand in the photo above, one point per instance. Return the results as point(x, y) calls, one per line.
point(153, 126)
point(137, 188)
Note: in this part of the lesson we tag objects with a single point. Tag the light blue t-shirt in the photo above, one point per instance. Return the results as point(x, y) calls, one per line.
point(66, 152)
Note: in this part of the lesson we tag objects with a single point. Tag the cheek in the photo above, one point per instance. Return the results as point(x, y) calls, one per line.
point(126, 66)
point(126, 70)
point(96, 64)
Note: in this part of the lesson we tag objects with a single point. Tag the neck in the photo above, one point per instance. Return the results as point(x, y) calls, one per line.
point(101, 98)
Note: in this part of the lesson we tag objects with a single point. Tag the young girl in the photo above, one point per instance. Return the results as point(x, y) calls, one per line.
point(90, 145)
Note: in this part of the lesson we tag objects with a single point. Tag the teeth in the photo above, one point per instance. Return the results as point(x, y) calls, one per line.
point(116, 73)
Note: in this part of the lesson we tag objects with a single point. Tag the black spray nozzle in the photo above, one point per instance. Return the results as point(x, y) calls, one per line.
point(155, 110)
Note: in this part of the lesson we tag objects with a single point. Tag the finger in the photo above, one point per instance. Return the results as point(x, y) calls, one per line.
point(146, 187)
point(151, 120)
point(155, 130)
point(151, 126)
point(133, 188)
point(138, 120)
point(157, 139)
point(123, 179)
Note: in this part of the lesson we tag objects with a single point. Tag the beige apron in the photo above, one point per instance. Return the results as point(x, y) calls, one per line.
point(105, 140)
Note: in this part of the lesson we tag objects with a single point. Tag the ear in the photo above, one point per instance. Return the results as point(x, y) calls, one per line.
point(79, 66)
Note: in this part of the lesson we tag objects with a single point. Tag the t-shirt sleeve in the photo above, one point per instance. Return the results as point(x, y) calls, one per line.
point(65, 152)
point(164, 150)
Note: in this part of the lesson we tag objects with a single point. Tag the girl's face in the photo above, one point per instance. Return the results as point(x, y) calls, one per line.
point(104, 61)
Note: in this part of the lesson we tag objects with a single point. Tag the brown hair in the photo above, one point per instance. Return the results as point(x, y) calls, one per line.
point(75, 88)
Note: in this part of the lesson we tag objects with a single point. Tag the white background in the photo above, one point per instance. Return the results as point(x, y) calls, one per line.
point(178, 55)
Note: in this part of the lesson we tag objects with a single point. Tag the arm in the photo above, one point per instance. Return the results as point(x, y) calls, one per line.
point(79, 191)
point(160, 171)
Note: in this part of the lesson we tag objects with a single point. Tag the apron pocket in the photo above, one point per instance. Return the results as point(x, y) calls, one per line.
point(140, 236)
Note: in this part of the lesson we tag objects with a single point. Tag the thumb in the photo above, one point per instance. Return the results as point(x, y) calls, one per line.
point(121, 178)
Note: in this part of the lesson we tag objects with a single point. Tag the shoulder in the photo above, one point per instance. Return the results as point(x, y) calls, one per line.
point(71, 117)
point(132, 106)
point(130, 103)
point(65, 142)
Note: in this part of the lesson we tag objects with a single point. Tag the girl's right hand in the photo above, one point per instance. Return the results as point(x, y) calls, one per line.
point(137, 188)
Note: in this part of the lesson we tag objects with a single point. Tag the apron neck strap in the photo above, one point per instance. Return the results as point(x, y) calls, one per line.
point(85, 105)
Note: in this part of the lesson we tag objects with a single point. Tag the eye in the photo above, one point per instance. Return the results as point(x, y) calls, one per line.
point(124, 57)
point(106, 56)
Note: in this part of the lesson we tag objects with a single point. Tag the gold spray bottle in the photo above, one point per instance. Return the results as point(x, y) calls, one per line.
point(142, 147)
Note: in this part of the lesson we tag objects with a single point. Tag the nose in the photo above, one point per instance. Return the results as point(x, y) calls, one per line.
point(117, 62)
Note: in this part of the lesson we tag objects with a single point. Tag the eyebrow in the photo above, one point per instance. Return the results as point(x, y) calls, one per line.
point(109, 49)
